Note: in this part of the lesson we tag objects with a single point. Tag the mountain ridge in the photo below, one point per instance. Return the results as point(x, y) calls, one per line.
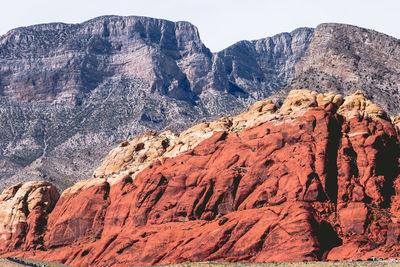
point(73, 95)
point(345, 58)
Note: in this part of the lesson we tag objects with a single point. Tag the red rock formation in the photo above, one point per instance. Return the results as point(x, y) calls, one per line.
point(315, 183)
point(80, 214)
point(23, 214)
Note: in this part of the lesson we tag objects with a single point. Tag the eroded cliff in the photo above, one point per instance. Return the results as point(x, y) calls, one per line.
point(316, 179)
point(71, 92)
point(344, 58)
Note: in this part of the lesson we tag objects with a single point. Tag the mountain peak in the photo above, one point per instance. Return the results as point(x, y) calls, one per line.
point(59, 81)
point(345, 58)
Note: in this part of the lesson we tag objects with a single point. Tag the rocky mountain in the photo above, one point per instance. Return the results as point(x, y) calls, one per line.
point(344, 59)
point(316, 179)
point(70, 92)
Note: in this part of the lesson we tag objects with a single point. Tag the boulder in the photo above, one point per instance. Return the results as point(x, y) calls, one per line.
point(23, 214)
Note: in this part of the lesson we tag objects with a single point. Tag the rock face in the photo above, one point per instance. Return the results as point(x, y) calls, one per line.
point(71, 92)
point(23, 214)
point(317, 179)
point(344, 59)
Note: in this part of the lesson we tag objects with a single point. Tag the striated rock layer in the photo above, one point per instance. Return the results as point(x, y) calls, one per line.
point(344, 58)
point(71, 92)
point(317, 179)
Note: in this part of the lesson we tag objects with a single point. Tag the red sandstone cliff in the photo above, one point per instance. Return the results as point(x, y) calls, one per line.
point(318, 179)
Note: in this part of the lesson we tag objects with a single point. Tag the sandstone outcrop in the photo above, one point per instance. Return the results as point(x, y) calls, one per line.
point(23, 214)
point(132, 156)
point(317, 179)
point(358, 105)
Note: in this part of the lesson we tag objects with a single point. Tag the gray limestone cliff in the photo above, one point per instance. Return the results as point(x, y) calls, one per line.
point(70, 92)
point(344, 58)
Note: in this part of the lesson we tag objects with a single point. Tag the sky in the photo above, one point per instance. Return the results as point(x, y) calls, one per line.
point(220, 22)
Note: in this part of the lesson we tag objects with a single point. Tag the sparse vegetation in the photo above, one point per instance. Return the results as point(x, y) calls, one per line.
point(16, 262)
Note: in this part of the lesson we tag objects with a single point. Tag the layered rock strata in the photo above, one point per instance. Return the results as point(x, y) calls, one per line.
point(71, 92)
point(343, 59)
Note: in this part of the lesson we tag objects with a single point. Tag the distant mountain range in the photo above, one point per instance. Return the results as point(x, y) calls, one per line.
point(70, 92)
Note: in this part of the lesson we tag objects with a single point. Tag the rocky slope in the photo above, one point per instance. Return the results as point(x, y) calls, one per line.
point(316, 179)
point(70, 92)
point(344, 58)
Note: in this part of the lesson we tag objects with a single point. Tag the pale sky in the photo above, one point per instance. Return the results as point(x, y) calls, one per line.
point(220, 22)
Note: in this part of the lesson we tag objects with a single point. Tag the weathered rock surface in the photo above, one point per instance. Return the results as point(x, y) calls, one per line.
point(344, 58)
point(71, 92)
point(130, 157)
point(23, 214)
point(317, 179)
